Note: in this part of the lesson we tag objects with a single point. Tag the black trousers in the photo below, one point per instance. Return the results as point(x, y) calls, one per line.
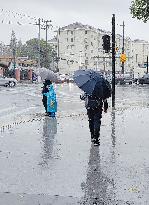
point(94, 118)
point(44, 100)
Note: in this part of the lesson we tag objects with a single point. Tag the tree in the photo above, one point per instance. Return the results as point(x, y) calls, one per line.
point(30, 49)
point(13, 43)
point(19, 49)
point(140, 9)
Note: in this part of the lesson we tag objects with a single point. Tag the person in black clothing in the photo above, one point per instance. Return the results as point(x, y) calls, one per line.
point(94, 106)
point(45, 90)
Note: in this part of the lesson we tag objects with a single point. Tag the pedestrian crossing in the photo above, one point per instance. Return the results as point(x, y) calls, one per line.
point(23, 101)
point(35, 91)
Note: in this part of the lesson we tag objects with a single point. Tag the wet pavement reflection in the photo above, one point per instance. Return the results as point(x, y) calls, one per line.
point(52, 161)
point(98, 187)
point(49, 132)
point(113, 127)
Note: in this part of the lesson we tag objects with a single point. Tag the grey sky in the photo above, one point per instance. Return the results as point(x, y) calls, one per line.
point(97, 13)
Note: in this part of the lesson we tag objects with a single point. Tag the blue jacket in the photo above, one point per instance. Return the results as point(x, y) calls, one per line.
point(51, 100)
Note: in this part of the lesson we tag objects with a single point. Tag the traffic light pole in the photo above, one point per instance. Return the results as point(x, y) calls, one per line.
point(113, 60)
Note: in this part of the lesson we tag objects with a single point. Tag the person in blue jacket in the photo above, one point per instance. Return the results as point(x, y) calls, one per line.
point(51, 103)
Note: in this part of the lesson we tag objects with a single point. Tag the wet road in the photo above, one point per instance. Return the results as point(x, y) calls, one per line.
point(52, 161)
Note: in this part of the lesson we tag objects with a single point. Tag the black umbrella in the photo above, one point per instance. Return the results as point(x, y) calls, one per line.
point(92, 83)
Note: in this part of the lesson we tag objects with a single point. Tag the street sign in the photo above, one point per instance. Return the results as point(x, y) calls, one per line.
point(123, 58)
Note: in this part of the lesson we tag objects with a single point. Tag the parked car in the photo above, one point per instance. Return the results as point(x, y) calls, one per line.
point(64, 78)
point(71, 80)
point(123, 79)
point(144, 79)
point(4, 81)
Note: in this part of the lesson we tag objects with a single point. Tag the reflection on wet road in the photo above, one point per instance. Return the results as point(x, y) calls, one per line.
point(52, 161)
point(98, 187)
point(49, 132)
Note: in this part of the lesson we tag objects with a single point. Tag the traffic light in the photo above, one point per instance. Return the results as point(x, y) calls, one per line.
point(106, 43)
point(123, 58)
point(116, 49)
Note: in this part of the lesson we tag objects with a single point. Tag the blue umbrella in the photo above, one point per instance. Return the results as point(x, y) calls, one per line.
point(92, 83)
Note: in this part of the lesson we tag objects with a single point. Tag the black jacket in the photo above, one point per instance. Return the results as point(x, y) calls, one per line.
point(92, 102)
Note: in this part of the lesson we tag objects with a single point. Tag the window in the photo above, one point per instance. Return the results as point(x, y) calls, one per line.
point(72, 46)
point(71, 39)
point(85, 40)
point(91, 43)
point(91, 51)
point(86, 62)
point(85, 32)
point(72, 32)
point(67, 39)
point(86, 47)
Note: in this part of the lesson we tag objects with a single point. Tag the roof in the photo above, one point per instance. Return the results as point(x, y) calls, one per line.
point(77, 25)
point(53, 40)
point(140, 41)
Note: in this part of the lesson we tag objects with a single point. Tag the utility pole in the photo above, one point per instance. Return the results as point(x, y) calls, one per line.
point(113, 60)
point(39, 27)
point(46, 27)
point(14, 57)
point(147, 63)
point(58, 54)
point(123, 47)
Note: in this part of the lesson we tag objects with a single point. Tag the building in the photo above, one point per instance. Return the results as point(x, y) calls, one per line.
point(80, 46)
point(140, 51)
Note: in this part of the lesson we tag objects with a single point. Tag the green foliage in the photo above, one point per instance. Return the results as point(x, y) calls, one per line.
point(13, 42)
point(140, 9)
point(31, 49)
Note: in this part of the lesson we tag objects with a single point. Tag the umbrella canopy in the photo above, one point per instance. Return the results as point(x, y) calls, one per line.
point(47, 74)
point(92, 83)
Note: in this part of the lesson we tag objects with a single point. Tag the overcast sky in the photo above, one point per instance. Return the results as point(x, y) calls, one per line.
point(97, 13)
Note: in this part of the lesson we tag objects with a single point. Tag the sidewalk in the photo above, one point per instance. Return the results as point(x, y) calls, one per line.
point(44, 162)
point(51, 161)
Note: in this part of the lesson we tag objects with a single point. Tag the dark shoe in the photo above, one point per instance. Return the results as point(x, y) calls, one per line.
point(96, 143)
point(92, 138)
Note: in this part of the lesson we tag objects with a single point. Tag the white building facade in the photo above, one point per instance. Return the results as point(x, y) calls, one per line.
point(80, 46)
